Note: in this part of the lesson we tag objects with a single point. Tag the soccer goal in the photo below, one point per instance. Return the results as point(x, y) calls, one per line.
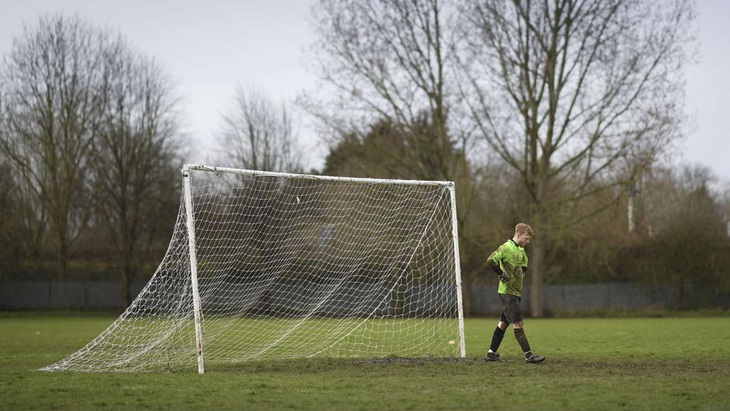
point(265, 265)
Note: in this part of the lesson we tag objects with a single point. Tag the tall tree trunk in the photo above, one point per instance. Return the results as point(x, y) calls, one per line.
point(62, 257)
point(537, 297)
point(539, 242)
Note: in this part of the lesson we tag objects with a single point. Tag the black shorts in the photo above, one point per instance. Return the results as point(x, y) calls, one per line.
point(511, 312)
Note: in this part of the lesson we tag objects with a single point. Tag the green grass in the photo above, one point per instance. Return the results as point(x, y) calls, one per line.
point(593, 364)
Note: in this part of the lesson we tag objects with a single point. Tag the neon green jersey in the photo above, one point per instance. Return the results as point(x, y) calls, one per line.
point(510, 258)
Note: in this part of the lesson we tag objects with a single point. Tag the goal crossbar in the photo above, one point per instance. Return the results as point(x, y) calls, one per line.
point(364, 180)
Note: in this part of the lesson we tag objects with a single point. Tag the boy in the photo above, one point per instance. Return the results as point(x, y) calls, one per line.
point(509, 261)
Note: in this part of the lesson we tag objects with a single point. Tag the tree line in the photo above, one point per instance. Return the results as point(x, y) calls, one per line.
point(562, 114)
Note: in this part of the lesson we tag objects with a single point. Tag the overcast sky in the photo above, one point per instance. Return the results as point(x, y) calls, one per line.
point(210, 47)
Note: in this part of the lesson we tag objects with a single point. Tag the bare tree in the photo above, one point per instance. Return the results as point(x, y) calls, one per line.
point(391, 62)
point(388, 61)
point(88, 128)
point(565, 90)
point(20, 206)
point(135, 161)
point(52, 81)
point(258, 135)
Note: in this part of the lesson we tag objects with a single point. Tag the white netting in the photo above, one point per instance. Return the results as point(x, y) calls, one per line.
point(293, 266)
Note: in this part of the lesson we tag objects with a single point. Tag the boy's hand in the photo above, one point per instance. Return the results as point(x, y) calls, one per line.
point(503, 277)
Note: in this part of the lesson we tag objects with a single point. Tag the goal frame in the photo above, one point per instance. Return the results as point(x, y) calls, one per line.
point(190, 223)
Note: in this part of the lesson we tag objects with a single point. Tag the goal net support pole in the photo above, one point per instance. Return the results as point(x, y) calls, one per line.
point(190, 223)
point(457, 269)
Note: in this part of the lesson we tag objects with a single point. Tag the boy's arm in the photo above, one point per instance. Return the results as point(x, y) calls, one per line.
point(493, 262)
point(524, 263)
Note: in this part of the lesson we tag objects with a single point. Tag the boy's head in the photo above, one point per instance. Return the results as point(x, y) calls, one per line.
point(523, 234)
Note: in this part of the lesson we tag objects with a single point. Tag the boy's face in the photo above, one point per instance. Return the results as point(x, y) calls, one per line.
point(522, 239)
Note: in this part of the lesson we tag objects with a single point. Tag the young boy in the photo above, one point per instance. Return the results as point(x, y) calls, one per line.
point(509, 261)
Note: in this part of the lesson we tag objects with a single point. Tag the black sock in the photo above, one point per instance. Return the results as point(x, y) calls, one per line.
point(496, 339)
point(522, 339)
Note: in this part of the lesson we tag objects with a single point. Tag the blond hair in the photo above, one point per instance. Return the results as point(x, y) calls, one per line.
point(523, 228)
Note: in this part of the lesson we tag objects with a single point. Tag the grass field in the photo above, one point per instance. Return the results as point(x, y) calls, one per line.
point(593, 364)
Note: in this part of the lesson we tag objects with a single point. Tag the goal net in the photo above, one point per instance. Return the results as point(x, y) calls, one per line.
point(266, 265)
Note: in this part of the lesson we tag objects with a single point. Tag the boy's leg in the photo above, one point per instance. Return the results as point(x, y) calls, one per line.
point(522, 339)
point(496, 340)
point(530, 357)
point(497, 337)
point(514, 313)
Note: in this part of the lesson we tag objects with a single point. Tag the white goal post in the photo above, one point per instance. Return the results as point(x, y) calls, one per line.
point(266, 265)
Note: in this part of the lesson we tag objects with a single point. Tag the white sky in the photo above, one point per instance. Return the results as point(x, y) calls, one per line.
point(708, 91)
point(210, 47)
